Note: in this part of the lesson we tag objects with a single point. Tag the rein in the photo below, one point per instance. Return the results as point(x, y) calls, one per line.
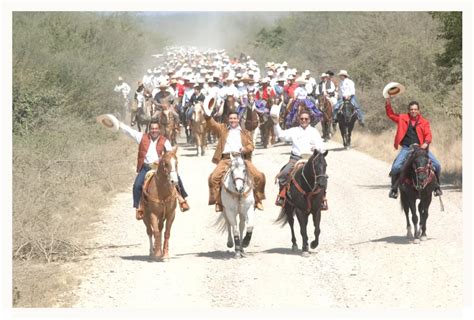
point(428, 169)
point(172, 195)
point(234, 194)
point(314, 190)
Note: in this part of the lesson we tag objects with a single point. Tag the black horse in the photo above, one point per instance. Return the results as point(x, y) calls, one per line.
point(417, 181)
point(346, 117)
point(304, 197)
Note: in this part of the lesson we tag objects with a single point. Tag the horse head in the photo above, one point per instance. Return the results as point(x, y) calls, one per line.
point(318, 164)
point(422, 168)
point(238, 172)
point(348, 110)
point(168, 166)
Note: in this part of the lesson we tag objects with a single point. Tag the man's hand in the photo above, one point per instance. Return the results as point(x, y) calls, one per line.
point(424, 146)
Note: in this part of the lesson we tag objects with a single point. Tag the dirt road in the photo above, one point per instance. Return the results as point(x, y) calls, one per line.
point(363, 260)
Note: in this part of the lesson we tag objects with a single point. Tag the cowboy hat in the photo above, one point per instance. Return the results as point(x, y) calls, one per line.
point(109, 121)
point(301, 80)
point(209, 104)
point(275, 112)
point(392, 89)
point(343, 73)
point(323, 75)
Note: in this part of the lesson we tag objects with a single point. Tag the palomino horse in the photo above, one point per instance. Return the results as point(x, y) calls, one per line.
point(417, 181)
point(238, 200)
point(346, 117)
point(159, 195)
point(199, 129)
point(304, 197)
point(168, 127)
point(325, 106)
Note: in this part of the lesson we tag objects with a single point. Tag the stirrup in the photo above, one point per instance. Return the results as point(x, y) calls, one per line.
point(437, 192)
point(280, 201)
point(393, 194)
point(324, 205)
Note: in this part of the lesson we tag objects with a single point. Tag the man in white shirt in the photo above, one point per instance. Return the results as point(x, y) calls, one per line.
point(305, 139)
point(347, 92)
point(151, 147)
point(232, 138)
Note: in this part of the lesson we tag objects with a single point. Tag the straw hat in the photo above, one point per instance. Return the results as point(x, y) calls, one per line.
point(109, 121)
point(392, 89)
point(343, 73)
point(209, 104)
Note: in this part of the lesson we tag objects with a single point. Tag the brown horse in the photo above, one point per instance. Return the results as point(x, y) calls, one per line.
point(144, 114)
point(229, 105)
point(159, 197)
point(199, 129)
point(168, 126)
point(250, 120)
point(325, 105)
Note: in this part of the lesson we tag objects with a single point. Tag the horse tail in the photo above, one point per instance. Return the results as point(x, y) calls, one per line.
point(221, 223)
point(282, 218)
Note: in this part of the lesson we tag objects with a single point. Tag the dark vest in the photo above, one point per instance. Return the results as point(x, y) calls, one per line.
point(411, 136)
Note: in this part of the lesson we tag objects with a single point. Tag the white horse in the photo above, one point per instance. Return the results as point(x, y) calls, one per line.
point(238, 200)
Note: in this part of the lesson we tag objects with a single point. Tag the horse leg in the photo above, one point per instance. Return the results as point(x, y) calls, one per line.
point(303, 221)
point(423, 209)
point(157, 226)
point(230, 239)
point(241, 232)
point(317, 230)
point(291, 222)
point(414, 220)
point(149, 232)
point(250, 224)
point(169, 223)
point(406, 209)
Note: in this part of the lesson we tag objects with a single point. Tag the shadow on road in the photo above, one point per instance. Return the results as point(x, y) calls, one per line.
point(218, 255)
point(283, 251)
point(138, 258)
point(394, 239)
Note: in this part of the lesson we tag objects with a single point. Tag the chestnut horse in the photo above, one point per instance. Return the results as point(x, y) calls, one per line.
point(325, 105)
point(159, 197)
point(199, 129)
point(168, 126)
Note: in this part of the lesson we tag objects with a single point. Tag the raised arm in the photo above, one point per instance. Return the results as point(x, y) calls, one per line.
point(390, 114)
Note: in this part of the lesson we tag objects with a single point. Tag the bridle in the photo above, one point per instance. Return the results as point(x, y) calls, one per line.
point(428, 170)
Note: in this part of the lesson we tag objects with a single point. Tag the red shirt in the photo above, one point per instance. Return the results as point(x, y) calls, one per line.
point(423, 130)
point(290, 89)
point(180, 89)
point(267, 92)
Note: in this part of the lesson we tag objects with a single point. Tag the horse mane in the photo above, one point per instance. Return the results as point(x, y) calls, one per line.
point(407, 167)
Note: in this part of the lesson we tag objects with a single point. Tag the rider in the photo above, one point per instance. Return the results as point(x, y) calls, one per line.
point(301, 96)
point(232, 138)
point(196, 97)
point(151, 147)
point(305, 139)
point(411, 128)
point(326, 88)
point(165, 97)
point(347, 91)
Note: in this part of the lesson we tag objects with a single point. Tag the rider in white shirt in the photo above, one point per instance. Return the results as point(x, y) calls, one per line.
point(347, 92)
point(305, 139)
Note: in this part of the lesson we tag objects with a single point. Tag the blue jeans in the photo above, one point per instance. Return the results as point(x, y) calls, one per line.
point(403, 156)
point(140, 180)
point(355, 103)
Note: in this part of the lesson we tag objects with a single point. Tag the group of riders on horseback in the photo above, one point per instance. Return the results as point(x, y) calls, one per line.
point(226, 89)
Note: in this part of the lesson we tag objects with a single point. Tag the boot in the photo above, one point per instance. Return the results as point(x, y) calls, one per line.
point(394, 187)
point(140, 211)
point(259, 205)
point(437, 190)
point(324, 203)
point(280, 200)
point(183, 204)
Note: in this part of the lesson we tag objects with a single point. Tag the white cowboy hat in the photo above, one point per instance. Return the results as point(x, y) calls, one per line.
point(275, 112)
point(163, 84)
point(301, 80)
point(323, 75)
point(392, 89)
point(109, 121)
point(209, 104)
point(343, 73)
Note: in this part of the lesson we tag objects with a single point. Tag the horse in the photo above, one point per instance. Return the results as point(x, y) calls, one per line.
point(250, 120)
point(304, 197)
point(267, 135)
point(159, 196)
point(417, 181)
point(228, 105)
point(144, 115)
point(346, 117)
point(238, 200)
point(168, 127)
point(199, 129)
point(325, 105)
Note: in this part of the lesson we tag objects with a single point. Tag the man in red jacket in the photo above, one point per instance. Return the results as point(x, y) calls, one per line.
point(411, 128)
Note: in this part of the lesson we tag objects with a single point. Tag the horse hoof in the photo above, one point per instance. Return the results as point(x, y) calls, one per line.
point(237, 255)
point(294, 248)
point(305, 254)
point(424, 238)
point(416, 241)
point(230, 244)
point(165, 259)
point(313, 244)
point(409, 235)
